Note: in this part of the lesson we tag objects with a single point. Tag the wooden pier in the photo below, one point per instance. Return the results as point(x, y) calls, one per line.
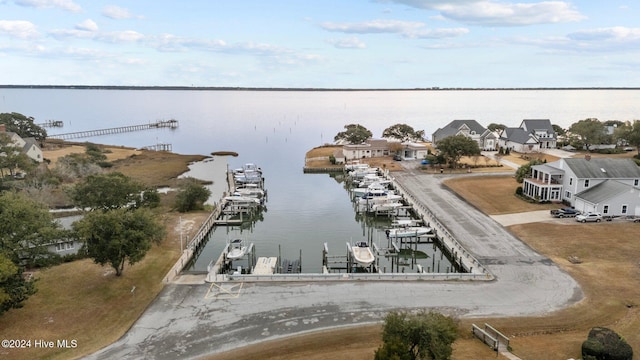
point(171, 124)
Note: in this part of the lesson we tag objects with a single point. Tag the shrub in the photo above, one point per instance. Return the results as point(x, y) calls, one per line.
point(519, 191)
point(605, 344)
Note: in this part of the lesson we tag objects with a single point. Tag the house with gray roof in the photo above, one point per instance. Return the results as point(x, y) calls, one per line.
point(469, 128)
point(531, 136)
point(606, 185)
point(542, 130)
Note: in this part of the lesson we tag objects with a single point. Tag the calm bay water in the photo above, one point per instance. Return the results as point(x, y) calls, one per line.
point(274, 129)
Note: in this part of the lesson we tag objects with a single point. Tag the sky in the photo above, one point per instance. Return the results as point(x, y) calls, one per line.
point(321, 43)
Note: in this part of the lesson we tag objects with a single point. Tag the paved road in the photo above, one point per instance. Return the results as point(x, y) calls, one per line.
point(192, 320)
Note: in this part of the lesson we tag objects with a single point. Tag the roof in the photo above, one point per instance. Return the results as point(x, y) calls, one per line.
point(604, 191)
point(453, 127)
point(517, 135)
point(603, 168)
point(537, 124)
point(546, 168)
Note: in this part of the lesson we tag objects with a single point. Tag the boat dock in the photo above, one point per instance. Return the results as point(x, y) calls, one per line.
point(171, 124)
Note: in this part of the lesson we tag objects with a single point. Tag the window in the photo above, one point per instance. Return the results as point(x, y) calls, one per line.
point(570, 181)
point(624, 209)
point(635, 182)
point(60, 247)
point(567, 194)
point(605, 209)
point(586, 183)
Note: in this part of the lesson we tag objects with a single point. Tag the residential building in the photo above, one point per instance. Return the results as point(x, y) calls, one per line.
point(606, 185)
point(543, 130)
point(27, 146)
point(531, 136)
point(470, 128)
point(382, 147)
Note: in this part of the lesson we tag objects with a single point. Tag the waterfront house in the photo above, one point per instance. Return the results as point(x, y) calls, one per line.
point(382, 147)
point(470, 128)
point(605, 185)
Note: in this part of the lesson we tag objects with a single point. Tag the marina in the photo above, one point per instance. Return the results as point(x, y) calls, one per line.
point(402, 242)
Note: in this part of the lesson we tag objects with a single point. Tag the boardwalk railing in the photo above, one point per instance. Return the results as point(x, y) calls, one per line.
point(172, 124)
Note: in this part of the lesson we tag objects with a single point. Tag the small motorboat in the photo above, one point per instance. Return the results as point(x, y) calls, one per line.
point(362, 253)
point(236, 249)
point(410, 231)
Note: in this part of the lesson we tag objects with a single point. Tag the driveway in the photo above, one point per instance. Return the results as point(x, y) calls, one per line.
point(193, 320)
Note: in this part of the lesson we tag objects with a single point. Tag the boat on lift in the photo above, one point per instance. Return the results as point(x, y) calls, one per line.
point(236, 249)
point(362, 254)
point(409, 231)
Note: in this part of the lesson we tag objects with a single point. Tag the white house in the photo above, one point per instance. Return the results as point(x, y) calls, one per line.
point(381, 147)
point(27, 146)
point(519, 140)
point(606, 185)
point(531, 136)
point(470, 128)
point(543, 131)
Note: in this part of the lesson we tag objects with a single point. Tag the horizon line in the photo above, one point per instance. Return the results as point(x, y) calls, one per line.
point(241, 88)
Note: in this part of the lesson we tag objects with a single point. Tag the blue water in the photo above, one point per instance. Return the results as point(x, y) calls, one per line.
point(275, 129)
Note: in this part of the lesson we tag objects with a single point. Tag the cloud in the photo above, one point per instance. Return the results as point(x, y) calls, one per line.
point(493, 13)
point(87, 25)
point(67, 5)
point(615, 34)
point(408, 29)
point(117, 13)
point(18, 28)
point(347, 43)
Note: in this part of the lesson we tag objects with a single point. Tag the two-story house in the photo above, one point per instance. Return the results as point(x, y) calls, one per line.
point(470, 128)
point(531, 136)
point(606, 185)
point(27, 146)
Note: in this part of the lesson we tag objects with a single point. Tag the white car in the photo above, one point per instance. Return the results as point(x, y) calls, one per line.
point(589, 217)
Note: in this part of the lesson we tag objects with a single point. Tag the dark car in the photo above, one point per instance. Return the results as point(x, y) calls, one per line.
point(397, 157)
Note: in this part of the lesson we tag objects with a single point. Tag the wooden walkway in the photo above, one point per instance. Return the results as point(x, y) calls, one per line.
point(171, 124)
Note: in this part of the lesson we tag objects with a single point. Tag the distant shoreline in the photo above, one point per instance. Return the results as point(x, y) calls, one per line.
point(230, 88)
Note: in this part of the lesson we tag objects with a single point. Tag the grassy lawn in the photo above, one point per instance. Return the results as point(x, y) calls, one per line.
point(86, 302)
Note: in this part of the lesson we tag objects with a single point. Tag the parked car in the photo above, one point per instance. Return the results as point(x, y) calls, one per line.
point(635, 219)
point(589, 217)
point(565, 212)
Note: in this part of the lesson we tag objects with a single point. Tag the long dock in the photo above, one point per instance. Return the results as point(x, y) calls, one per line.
point(171, 124)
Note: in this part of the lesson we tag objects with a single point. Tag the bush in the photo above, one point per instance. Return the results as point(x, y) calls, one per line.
point(191, 196)
point(605, 344)
point(332, 159)
point(519, 191)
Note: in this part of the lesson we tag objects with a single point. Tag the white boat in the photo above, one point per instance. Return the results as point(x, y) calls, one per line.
point(379, 196)
point(239, 200)
point(362, 253)
point(386, 206)
point(410, 231)
point(236, 249)
point(250, 190)
point(360, 191)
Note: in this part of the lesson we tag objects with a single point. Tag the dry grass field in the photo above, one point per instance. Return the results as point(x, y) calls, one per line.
point(86, 302)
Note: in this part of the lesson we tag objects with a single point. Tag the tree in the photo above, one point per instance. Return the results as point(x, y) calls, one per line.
point(630, 132)
point(496, 127)
point(106, 192)
point(192, 195)
point(591, 131)
point(525, 170)
point(14, 289)
point(558, 130)
point(118, 236)
point(455, 147)
point(25, 228)
point(22, 125)
point(403, 132)
point(354, 134)
point(426, 335)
